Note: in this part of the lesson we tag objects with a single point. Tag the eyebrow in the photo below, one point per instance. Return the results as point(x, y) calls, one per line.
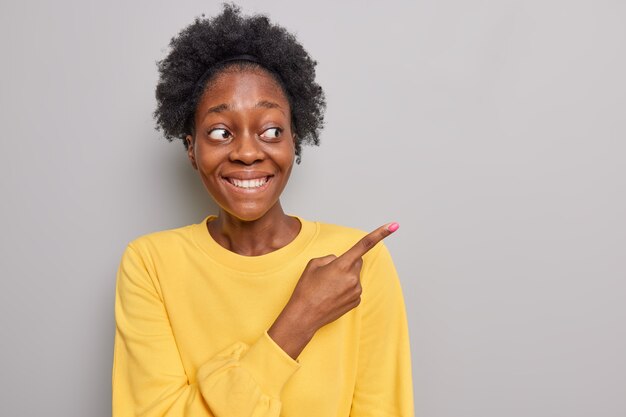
point(218, 109)
point(268, 105)
point(261, 104)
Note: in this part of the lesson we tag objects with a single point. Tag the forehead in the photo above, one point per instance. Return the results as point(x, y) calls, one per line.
point(243, 88)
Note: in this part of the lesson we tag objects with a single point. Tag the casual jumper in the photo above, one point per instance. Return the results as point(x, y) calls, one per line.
point(191, 332)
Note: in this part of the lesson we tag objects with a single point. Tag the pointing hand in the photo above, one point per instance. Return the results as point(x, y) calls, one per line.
point(328, 288)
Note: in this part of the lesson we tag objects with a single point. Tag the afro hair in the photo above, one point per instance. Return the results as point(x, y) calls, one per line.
point(199, 52)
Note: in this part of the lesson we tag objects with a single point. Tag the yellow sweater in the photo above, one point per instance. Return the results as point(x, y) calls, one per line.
point(191, 332)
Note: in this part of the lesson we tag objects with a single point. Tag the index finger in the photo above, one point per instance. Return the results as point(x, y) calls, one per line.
point(368, 242)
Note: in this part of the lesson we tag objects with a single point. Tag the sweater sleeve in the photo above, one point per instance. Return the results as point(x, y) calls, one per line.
point(148, 377)
point(384, 384)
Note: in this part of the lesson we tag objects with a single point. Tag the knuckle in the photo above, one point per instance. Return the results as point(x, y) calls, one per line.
point(367, 242)
point(315, 263)
point(326, 259)
point(330, 258)
point(343, 264)
point(357, 295)
point(354, 280)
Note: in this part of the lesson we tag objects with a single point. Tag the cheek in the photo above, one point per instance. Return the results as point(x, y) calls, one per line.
point(284, 159)
point(207, 163)
point(285, 153)
point(206, 155)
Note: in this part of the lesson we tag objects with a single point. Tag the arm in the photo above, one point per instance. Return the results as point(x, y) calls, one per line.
point(384, 383)
point(328, 288)
point(149, 380)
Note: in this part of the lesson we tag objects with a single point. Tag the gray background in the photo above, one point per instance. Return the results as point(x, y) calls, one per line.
point(493, 131)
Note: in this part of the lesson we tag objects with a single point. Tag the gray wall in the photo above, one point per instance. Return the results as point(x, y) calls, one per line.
point(493, 131)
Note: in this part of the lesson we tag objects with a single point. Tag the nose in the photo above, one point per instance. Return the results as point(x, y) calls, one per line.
point(246, 149)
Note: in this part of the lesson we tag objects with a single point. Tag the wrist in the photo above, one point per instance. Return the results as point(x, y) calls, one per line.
point(291, 332)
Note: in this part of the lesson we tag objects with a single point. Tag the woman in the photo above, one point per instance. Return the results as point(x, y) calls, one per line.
point(250, 313)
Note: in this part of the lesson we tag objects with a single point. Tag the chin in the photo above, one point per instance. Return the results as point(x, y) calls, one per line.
point(245, 214)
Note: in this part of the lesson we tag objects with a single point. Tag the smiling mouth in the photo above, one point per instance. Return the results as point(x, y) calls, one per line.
point(249, 184)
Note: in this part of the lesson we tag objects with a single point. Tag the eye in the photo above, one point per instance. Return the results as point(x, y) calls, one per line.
point(272, 133)
point(219, 134)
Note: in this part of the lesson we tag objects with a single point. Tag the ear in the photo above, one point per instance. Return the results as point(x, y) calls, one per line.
point(191, 152)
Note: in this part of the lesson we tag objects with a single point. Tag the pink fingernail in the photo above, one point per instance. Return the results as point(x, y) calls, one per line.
point(393, 227)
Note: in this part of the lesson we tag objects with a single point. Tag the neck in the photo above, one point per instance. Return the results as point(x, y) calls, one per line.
point(257, 237)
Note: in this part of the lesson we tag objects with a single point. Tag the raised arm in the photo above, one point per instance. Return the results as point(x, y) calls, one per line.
point(328, 288)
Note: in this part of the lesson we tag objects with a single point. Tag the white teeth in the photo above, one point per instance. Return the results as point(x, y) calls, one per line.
point(254, 183)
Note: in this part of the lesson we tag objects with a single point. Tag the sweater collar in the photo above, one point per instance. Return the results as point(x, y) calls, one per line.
point(261, 264)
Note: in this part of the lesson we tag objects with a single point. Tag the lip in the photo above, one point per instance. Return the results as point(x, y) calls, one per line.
point(247, 190)
point(247, 175)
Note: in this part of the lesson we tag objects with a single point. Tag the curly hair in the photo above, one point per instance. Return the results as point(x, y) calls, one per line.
point(198, 52)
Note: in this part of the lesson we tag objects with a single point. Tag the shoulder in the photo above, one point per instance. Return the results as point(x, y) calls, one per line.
point(339, 239)
point(335, 231)
point(163, 242)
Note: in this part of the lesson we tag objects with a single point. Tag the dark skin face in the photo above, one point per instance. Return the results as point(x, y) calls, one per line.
point(243, 149)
